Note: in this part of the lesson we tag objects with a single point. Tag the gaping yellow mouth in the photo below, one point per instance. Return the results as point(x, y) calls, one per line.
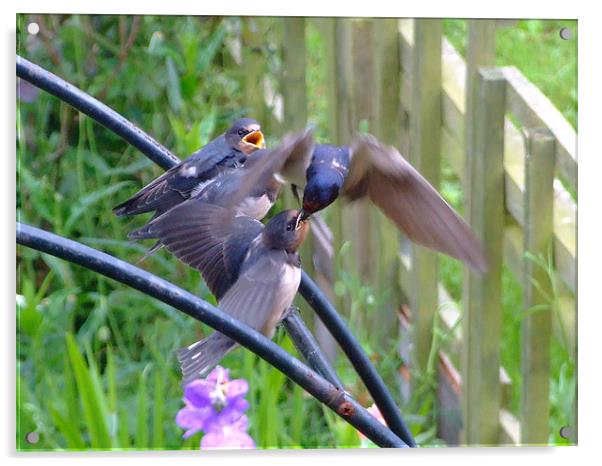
point(253, 141)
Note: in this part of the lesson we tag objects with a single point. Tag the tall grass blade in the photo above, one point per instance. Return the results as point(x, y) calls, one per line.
point(159, 407)
point(142, 413)
point(92, 407)
point(67, 427)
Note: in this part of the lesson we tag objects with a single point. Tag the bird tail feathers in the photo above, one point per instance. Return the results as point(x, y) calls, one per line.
point(198, 358)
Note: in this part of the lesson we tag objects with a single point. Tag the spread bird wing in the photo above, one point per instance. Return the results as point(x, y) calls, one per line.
point(157, 195)
point(292, 155)
point(380, 172)
point(177, 183)
point(263, 291)
point(207, 237)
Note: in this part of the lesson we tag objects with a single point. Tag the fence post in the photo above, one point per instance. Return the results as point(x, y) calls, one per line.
point(360, 214)
point(339, 73)
point(482, 318)
point(425, 148)
point(536, 325)
point(387, 127)
point(480, 51)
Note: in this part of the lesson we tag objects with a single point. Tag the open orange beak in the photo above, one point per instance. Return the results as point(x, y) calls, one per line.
point(253, 141)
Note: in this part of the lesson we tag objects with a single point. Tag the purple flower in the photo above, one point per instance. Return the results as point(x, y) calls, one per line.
point(216, 406)
point(228, 431)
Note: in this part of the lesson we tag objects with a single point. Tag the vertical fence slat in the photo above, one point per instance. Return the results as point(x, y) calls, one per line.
point(387, 127)
point(360, 213)
point(339, 72)
point(482, 319)
point(536, 326)
point(425, 136)
point(480, 51)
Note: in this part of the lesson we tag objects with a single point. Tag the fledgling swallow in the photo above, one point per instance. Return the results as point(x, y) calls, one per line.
point(224, 190)
point(227, 151)
point(369, 168)
point(253, 270)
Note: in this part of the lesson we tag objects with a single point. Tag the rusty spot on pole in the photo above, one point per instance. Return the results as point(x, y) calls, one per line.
point(346, 409)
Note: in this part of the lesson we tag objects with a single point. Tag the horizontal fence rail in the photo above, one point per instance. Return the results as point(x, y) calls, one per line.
point(525, 106)
point(418, 55)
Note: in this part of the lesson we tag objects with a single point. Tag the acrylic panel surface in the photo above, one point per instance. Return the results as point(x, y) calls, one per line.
point(469, 360)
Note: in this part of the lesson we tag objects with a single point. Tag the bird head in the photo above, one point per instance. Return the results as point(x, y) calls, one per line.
point(286, 231)
point(245, 135)
point(322, 189)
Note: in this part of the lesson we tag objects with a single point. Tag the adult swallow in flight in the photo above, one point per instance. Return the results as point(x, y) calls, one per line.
point(252, 269)
point(226, 152)
point(369, 168)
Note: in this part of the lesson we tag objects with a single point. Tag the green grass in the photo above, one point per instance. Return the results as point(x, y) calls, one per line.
point(95, 359)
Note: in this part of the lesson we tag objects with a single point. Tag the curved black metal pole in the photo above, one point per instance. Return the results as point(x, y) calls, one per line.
point(164, 158)
point(298, 331)
point(360, 361)
point(95, 109)
point(148, 146)
point(336, 399)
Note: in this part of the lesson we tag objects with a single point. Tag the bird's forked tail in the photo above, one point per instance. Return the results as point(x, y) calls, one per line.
point(201, 356)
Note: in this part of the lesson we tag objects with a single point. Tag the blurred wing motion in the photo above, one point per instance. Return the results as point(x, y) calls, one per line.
point(178, 183)
point(410, 201)
point(287, 162)
point(207, 237)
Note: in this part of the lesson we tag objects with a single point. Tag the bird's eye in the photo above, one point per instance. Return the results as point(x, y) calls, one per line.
point(289, 227)
point(241, 132)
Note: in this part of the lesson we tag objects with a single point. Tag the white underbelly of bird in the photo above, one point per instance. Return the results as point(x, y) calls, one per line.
point(291, 277)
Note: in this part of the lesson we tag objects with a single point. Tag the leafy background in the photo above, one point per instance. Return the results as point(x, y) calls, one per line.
point(96, 365)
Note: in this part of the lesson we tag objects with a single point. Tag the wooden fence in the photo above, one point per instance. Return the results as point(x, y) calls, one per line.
point(509, 147)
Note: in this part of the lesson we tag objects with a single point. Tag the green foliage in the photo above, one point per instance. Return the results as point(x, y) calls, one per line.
point(95, 359)
point(167, 75)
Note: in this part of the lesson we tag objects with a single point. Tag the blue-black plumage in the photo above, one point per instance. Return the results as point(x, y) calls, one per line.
point(252, 269)
point(370, 169)
point(325, 176)
point(226, 152)
point(224, 190)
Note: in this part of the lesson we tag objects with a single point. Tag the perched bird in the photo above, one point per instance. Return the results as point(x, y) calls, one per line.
point(258, 200)
point(369, 168)
point(252, 269)
point(226, 152)
point(224, 189)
